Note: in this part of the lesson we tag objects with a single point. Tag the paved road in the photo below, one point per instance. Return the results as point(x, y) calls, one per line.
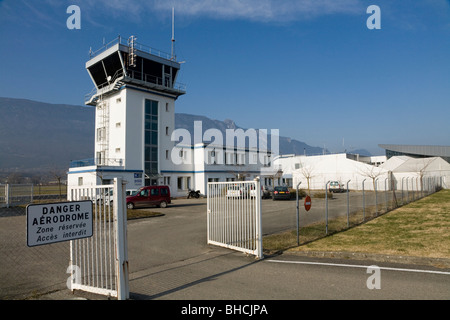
point(169, 259)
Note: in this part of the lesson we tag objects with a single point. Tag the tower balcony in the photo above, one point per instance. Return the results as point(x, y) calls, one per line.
point(137, 78)
point(117, 65)
point(98, 162)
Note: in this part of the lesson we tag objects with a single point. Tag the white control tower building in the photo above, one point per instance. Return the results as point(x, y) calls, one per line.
point(134, 96)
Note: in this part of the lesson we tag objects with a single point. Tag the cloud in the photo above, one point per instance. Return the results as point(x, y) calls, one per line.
point(253, 10)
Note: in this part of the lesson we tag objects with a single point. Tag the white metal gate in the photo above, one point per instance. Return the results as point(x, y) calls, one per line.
point(100, 263)
point(234, 216)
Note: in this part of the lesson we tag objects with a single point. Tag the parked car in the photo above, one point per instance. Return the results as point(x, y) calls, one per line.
point(149, 196)
point(131, 192)
point(266, 192)
point(336, 186)
point(253, 191)
point(236, 191)
point(100, 198)
point(280, 192)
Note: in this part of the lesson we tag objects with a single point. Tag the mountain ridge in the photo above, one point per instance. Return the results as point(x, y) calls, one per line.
point(43, 136)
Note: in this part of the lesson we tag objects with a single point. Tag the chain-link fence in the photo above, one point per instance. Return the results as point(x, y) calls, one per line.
point(332, 212)
point(26, 272)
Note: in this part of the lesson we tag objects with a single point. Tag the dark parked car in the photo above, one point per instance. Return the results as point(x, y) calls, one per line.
point(149, 196)
point(281, 193)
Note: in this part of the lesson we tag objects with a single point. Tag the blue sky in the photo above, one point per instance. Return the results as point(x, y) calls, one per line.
point(310, 68)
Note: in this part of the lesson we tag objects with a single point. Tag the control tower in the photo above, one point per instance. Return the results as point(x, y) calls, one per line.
point(134, 96)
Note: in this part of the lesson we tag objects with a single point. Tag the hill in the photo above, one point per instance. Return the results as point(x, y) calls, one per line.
point(42, 137)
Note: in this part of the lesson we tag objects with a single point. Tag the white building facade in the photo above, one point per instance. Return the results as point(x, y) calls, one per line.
point(134, 96)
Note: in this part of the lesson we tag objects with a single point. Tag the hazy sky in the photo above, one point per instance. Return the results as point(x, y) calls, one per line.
point(310, 68)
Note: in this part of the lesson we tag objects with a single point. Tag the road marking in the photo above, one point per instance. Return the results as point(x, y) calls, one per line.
point(360, 266)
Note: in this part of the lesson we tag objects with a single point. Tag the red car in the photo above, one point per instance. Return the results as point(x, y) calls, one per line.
point(149, 196)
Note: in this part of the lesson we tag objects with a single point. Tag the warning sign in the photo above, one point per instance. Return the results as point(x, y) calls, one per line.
point(307, 203)
point(56, 222)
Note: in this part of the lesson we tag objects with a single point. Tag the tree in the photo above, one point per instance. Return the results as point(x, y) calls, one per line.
point(307, 172)
point(371, 172)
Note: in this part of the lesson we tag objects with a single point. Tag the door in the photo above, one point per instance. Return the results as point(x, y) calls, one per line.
point(154, 197)
point(143, 198)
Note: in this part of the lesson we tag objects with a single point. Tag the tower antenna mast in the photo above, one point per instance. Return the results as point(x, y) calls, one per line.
point(173, 33)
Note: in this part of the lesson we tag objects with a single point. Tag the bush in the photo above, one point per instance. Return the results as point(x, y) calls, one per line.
point(293, 192)
point(321, 195)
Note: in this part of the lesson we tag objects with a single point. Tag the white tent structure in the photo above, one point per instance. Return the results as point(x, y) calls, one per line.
point(418, 173)
point(316, 171)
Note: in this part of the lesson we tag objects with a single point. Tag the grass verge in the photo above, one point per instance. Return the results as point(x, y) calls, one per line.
point(420, 229)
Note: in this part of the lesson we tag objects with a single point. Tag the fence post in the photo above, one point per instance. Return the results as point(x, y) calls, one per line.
point(376, 196)
point(364, 202)
point(326, 207)
point(120, 215)
point(258, 218)
point(7, 191)
point(348, 206)
point(407, 195)
point(385, 193)
point(298, 226)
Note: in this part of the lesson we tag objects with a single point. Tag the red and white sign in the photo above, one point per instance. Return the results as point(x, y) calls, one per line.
point(307, 203)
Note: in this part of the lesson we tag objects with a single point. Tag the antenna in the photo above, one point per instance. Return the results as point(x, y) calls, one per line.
point(173, 33)
point(132, 51)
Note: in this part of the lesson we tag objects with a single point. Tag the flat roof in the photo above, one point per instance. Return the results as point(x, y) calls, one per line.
point(420, 150)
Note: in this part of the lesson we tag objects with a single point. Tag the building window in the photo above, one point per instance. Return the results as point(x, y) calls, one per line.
point(167, 154)
point(151, 138)
point(188, 182)
point(167, 131)
point(180, 183)
point(167, 181)
point(101, 133)
point(80, 181)
point(118, 100)
point(167, 107)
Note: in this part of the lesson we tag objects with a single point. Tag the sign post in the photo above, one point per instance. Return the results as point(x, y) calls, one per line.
point(56, 222)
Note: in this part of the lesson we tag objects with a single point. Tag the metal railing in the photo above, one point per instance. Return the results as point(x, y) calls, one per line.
point(139, 46)
point(234, 216)
point(96, 162)
point(101, 261)
point(120, 77)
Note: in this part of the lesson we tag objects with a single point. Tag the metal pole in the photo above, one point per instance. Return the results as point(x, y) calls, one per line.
point(258, 219)
point(326, 207)
point(376, 196)
point(348, 206)
point(407, 195)
point(120, 212)
point(385, 193)
point(298, 235)
point(364, 202)
point(402, 191)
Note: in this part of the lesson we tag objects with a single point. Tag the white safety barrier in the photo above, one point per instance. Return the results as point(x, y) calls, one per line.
point(234, 216)
point(100, 263)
